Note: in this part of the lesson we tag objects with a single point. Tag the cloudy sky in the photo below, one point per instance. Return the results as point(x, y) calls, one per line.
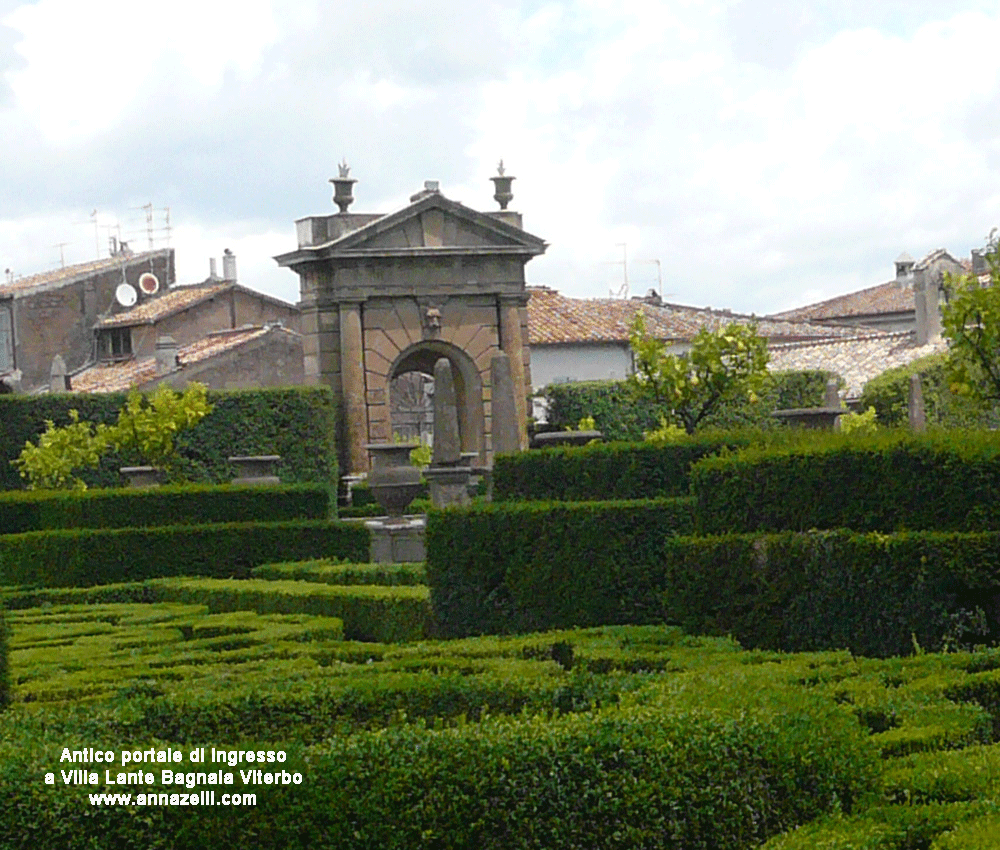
point(767, 154)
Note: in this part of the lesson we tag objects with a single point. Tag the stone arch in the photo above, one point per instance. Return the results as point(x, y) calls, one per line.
point(422, 356)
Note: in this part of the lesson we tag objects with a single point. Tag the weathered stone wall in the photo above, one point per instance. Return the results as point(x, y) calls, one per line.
point(59, 319)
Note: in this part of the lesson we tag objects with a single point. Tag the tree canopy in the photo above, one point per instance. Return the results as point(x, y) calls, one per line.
point(721, 365)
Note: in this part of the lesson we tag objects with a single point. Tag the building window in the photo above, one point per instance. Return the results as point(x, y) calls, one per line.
point(117, 344)
point(6, 340)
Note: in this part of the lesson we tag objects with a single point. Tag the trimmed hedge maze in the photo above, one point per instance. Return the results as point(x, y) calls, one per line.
point(618, 737)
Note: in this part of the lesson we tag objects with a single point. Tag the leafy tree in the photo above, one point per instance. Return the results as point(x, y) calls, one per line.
point(146, 427)
point(971, 323)
point(721, 365)
point(60, 451)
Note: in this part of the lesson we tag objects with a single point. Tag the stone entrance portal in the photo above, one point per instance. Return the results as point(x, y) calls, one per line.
point(385, 295)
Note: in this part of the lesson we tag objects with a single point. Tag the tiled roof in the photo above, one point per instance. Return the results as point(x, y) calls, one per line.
point(554, 318)
point(172, 301)
point(857, 360)
point(117, 377)
point(894, 296)
point(70, 273)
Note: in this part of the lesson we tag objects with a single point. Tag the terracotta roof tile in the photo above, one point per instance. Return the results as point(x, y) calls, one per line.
point(121, 376)
point(554, 318)
point(70, 273)
point(856, 360)
point(172, 301)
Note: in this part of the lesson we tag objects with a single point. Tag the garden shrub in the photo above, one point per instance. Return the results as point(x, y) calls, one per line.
point(170, 505)
point(329, 572)
point(886, 481)
point(871, 593)
point(369, 612)
point(82, 557)
point(298, 423)
point(889, 394)
point(620, 778)
point(522, 566)
point(4, 662)
point(618, 415)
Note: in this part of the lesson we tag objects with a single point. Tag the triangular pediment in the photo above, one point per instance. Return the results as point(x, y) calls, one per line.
point(437, 223)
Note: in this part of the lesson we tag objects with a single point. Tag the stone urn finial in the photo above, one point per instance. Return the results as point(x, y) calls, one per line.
point(502, 183)
point(342, 187)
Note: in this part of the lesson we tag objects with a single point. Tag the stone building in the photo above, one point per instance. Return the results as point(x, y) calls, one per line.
point(54, 313)
point(387, 294)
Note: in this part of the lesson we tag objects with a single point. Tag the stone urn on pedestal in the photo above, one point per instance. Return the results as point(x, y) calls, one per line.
point(394, 481)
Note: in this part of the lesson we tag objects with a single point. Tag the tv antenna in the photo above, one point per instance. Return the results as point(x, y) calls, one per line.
point(622, 291)
point(62, 254)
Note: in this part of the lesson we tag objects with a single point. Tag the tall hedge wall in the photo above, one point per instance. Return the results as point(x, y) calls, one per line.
point(871, 593)
point(619, 416)
point(4, 663)
point(636, 470)
point(888, 481)
point(35, 510)
point(298, 423)
point(889, 394)
point(84, 557)
point(525, 566)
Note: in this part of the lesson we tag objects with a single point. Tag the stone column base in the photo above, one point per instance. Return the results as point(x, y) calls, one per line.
point(449, 485)
point(397, 541)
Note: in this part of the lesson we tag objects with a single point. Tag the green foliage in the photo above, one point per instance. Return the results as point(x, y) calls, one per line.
point(60, 451)
point(970, 321)
point(859, 424)
point(329, 572)
point(886, 481)
point(369, 612)
point(871, 593)
point(149, 424)
point(889, 394)
point(619, 415)
point(170, 505)
point(297, 423)
point(81, 557)
point(4, 661)
point(667, 434)
point(518, 566)
point(724, 364)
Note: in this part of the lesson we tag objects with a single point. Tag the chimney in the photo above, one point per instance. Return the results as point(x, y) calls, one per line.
point(228, 265)
point(978, 262)
point(166, 355)
point(904, 267)
point(213, 273)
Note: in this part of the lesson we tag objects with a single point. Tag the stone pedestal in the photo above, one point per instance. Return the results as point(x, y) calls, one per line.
point(564, 438)
point(142, 476)
point(397, 541)
point(257, 470)
point(449, 484)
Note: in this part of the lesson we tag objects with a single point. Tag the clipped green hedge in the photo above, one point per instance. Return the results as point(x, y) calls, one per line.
point(298, 423)
point(4, 662)
point(172, 505)
point(894, 480)
point(370, 612)
point(82, 557)
point(639, 777)
point(328, 572)
point(889, 394)
point(620, 416)
point(524, 566)
point(875, 594)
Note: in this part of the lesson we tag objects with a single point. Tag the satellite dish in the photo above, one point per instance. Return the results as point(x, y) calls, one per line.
point(149, 283)
point(126, 295)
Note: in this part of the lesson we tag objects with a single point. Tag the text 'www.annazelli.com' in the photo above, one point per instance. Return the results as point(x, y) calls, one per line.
point(207, 797)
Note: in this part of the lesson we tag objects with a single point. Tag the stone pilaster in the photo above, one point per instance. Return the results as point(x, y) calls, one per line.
point(352, 374)
point(512, 344)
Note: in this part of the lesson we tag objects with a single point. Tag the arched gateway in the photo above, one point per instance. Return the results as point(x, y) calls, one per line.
point(383, 295)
